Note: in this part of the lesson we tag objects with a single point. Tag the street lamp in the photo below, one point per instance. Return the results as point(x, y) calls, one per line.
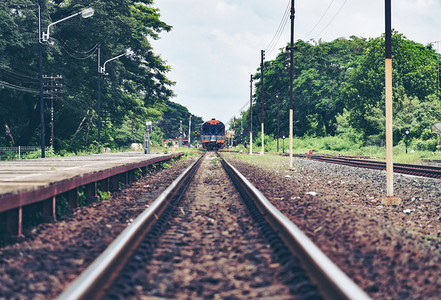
point(102, 70)
point(88, 12)
point(44, 37)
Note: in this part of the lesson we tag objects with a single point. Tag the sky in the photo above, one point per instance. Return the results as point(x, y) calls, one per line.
point(215, 45)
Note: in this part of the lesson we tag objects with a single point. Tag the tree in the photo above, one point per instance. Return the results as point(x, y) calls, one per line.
point(414, 71)
point(172, 115)
point(319, 70)
point(132, 88)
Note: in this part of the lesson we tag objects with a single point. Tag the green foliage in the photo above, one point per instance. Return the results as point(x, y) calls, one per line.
point(104, 195)
point(268, 143)
point(62, 208)
point(135, 89)
point(31, 218)
point(164, 165)
point(319, 71)
point(414, 86)
point(339, 143)
point(82, 199)
point(339, 90)
point(173, 114)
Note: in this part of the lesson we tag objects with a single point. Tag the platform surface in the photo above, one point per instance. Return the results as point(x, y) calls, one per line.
point(32, 174)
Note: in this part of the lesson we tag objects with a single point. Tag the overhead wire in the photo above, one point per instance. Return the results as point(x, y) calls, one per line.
point(270, 48)
point(18, 77)
point(321, 18)
point(18, 88)
point(79, 58)
point(19, 74)
point(91, 51)
point(76, 51)
point(16, 80)
point(338, 12)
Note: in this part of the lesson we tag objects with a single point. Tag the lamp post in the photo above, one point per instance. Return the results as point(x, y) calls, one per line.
point(102, 70)
point(86, 13)
point(251, 114)
point(437, 55)
point(44, 37)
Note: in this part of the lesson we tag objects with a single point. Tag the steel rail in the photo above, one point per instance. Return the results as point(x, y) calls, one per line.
point(333, 282)
point(420, 170)
point(92, 283)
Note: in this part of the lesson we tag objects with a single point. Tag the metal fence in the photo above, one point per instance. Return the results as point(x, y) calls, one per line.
point(23, 152)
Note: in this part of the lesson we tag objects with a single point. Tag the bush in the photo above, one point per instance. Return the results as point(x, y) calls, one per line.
point(427, 145)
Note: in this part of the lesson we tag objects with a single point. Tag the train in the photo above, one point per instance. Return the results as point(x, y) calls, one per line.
point(213, 135)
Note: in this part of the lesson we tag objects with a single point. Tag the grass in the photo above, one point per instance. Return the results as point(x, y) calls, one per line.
point(344, 145)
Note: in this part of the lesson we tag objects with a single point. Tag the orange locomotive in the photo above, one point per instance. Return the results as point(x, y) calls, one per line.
point(213, 135)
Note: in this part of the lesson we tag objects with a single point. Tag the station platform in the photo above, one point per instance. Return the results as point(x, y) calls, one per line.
point(27, 182)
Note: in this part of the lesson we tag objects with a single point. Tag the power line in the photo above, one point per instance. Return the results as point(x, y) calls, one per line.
point(91, 51)
point(80, 58)
point(270, 48)
point(341, 7)
point(18, 88)
point(76, 51)
point(321, 18)
point(19, 74)
point(17, 81)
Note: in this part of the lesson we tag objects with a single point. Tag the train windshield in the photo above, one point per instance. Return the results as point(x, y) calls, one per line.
point(206, 129)
point(213, 129)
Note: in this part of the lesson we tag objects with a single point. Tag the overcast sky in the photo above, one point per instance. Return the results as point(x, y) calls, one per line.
point(215, 45)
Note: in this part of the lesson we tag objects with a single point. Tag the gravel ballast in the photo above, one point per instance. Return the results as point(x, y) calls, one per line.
point(51, 255)
point(392, 252)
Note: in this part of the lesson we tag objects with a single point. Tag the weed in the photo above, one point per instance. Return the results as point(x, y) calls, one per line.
point(216, 160)
point(104, 195)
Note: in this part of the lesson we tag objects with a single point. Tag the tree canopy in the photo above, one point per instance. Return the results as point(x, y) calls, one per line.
point(135, 88)
point(345, 77)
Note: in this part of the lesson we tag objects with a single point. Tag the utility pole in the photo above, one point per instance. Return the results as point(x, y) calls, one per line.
point(262, 57)
point(189, 132)
point(234, 132)
point(54, 90)
point(291, 83)
point(180, 134)
point(148, 130)
point(278, 120)
point(388, 89)
point(40, 76)
point(99, 93)
point(241, 132)
point(251, 114)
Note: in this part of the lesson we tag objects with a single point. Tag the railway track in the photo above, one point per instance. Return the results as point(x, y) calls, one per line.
point(410, 169)
point(207, 244)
